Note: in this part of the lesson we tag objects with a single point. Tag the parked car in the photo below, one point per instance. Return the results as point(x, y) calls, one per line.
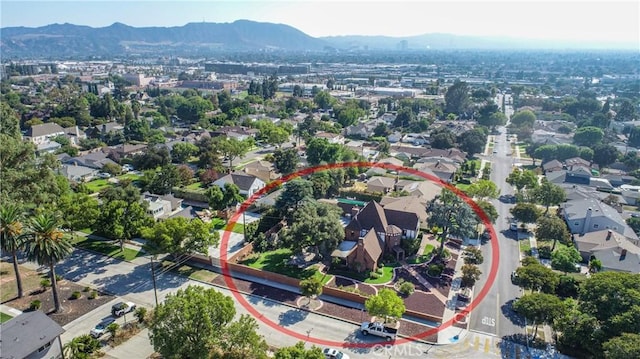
point(101, 328)
point(378, 329)
point(122, 308)
point(330, 353)
point(513, 226)
point(104, 175)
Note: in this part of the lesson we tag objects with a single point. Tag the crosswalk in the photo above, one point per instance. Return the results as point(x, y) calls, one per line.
point(491, 346)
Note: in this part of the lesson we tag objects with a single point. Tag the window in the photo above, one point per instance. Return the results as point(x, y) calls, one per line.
point(44, 347)
point(595, 226)
point(576, 224)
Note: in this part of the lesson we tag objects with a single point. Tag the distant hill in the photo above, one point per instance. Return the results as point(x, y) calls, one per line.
point(72, 41)
point(67, 40)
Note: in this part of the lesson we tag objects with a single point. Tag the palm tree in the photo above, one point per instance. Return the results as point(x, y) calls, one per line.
point(11, 239)
point(47, 246)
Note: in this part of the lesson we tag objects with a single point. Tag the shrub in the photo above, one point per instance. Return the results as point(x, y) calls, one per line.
point(407, 288)
point(58, 277)
point(379, 270)
point(93, 295)
point(374, 275)
point(141, 314)
point(86, 289)
point(435, 270)
point(113, 328)
point(544, 252)
point(76, 295)
point(35, 305)
point(45, 283)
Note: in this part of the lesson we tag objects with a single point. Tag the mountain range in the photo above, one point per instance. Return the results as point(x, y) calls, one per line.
point(68, 40)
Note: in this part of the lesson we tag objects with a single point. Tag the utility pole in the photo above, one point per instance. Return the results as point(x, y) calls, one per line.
point(153, 275)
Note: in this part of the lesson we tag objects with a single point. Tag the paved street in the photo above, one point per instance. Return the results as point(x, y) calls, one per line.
point(494, 315)
point(132, 282)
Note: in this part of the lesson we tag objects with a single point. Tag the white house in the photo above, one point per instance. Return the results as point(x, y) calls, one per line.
point(247, 183)
point(591, 215)
point(43, 133)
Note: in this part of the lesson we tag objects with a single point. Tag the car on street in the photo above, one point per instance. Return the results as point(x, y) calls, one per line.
point(330, 353)
point(122, 308)
point(101, 328)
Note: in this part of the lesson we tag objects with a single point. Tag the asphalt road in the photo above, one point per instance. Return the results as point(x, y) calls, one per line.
point(494, 315)
point(131, 282)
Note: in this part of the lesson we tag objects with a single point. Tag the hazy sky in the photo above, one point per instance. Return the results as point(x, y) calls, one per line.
point(615, 21)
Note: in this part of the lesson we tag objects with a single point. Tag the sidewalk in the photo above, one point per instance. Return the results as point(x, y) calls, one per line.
point(452, 334)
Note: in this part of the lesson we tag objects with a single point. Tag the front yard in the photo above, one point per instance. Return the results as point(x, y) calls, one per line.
point(108, 248)
point(276, 261)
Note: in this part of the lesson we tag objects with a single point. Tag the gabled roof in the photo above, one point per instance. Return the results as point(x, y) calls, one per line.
point(552, 164)
point(409, 204)
point(45, 129)
point(391, 160)
point(578, 210)
point(244, 181)
point(577, 161)
point(371, 216)
point(381, 181)
point(372, 245)
point(604, 239)
point(402, 219)
point(27, 332)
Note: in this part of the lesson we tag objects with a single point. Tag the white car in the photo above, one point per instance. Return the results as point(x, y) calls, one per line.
point(101, 328)
point(122, 308)
point(330, 353)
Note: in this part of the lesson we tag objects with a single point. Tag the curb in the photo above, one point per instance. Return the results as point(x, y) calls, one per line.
point(295, 307)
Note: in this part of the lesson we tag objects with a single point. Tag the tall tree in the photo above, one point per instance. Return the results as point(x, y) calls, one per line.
point(294, 193)
point(457, 98)
point(552, 228)
point(79, 211)
point(522, 179)
point(539, 308)
point(11, 239)
point(483, 189)
point(537, 277)
point(525, 212)
point(625, 346)
point(565, 259)
point(549, 194)
point(470, 274)
point(311, 287)
point(179, 235)
point(286, 160)
point(452, 215)
point(191, 322)
point(386, 304)
point(232, 148)
point(588, 136)
point(182, 151)
point(604, 154)
point(315, 226)
point(46, 245)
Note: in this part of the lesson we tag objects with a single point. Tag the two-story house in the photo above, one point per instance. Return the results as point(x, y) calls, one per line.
point(591, 215)
point(31, 335)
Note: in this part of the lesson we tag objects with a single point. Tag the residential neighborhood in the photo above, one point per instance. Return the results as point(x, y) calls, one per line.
point(460, 210)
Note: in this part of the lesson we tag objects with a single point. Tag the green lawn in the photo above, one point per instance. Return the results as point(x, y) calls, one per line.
point(525, 246)
point(195, 186)
point(238, 228)
point(108, 248)
point(386, 276)
point(202, 275)
point(129, 176)
point(276, 261)
point(98, 185)
point(4, 317)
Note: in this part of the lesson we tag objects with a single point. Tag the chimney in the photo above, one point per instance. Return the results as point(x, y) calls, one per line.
point(609, 233)
point(587, 221)
point(354, 211)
